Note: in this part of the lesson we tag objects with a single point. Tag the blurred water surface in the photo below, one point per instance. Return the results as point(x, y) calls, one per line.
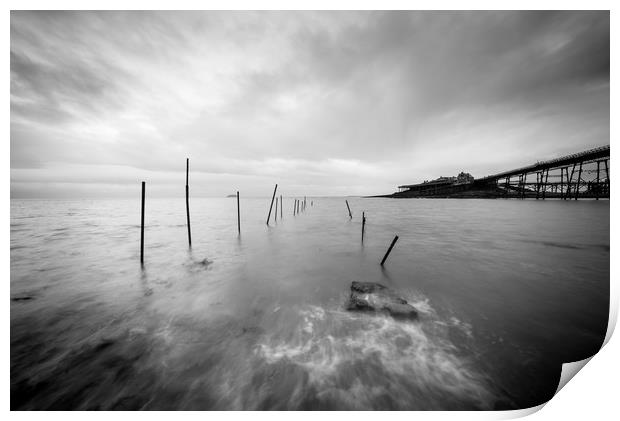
point(507, 290)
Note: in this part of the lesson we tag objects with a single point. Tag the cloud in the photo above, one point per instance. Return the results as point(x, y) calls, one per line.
point(301, 96)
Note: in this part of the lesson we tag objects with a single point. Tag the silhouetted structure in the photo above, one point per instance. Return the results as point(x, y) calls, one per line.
point(580, 175)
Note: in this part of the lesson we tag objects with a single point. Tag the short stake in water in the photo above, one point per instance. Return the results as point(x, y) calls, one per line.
point(275, 215)
point(142, 227)
point(281, 203)
point(238, 215)
point(389, 250)
point(294, 205)
point(350, 216)
point(271, 206)
point(189, 230)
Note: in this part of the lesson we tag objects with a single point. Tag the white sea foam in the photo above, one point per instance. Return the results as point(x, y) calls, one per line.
point(353, 356)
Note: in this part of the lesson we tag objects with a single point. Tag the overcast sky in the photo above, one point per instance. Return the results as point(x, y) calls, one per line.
point(323, 103)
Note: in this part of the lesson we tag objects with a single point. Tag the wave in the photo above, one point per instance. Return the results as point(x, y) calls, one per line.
point(377, 362)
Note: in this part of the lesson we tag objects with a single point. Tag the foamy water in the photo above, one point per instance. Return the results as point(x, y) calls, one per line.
point(506, 291)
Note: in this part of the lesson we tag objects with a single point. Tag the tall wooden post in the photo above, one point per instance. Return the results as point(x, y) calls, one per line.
point(142, 227)
point(275, 214)
point(281, 203)
point(271, 205)
point(189, 230)
point(389, 250)
point(363, 225)
point(238, 215)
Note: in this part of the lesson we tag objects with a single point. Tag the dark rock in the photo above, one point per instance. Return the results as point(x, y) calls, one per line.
point(370, 296)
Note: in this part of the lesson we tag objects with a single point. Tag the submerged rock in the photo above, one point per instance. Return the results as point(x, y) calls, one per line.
point(370, 296)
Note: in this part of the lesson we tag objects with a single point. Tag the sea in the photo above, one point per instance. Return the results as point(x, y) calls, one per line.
point(506, 291)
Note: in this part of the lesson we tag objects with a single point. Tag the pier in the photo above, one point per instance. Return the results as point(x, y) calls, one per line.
point(578, 176)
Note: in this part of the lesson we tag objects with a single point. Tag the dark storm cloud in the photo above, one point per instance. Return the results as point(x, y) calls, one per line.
point(342, 101)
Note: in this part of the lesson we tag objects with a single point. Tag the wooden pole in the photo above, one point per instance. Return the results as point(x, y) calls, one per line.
point(189, 230)
point(142, 227)
point(363, 224)
point(389, 250)
point(275, 215)
point(238, 215)
point(294, 206)
point(270, 206)
point(350, 216)
point(281, 203)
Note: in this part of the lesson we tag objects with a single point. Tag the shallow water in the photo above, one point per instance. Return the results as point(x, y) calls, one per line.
point(507, 290)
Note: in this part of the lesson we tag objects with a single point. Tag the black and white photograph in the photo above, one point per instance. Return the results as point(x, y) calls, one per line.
point(306, 210)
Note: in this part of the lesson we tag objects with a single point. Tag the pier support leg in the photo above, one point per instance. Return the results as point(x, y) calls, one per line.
point(569, 181)
point(598, 178)
point(607, 182)
point(578, 181)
